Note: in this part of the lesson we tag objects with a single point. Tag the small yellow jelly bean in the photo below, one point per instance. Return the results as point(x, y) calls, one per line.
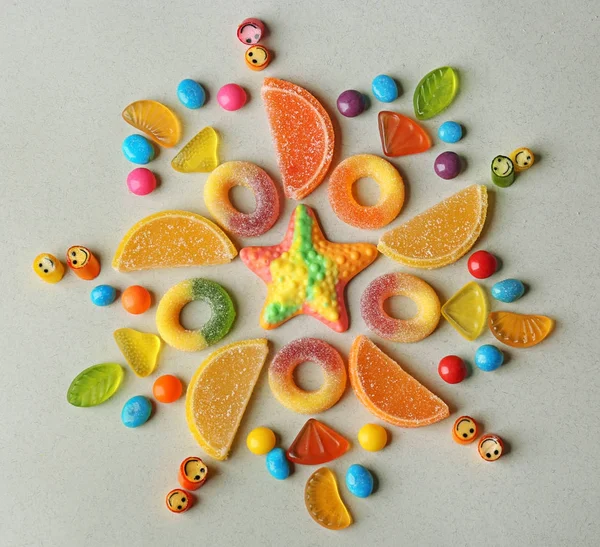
point(260, 441)
point(372, 437)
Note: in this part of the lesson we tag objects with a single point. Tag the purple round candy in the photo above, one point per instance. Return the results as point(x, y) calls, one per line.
point(447, 165)
point(351, 103)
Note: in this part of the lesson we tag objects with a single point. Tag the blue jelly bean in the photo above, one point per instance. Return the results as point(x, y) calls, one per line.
point(384, 88)
point(136, 411)
point(277, 464)
point(359, 481)
point(138, 149)
point(488, 358)
point(508, 290)
point(191, 94)
point(103, 295)
point(450, 132)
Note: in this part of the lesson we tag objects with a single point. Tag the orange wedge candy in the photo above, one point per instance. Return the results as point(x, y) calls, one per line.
point(302, 133)
point(389, 392)
point(173, 239)
point(219, 392)
point(400, 135)
point(518, 330)
point(323, 501)
point(440, 235)
point(156, 120)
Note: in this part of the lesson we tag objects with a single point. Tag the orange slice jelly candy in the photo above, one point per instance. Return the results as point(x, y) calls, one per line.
point(173, 239)
point(518, 330)
point(219, 392)
point(389, 392)
point(401, 136)
point(316, 444)
point(302, 133)
point(440, 235)
point(323, 501)
point(156, 120)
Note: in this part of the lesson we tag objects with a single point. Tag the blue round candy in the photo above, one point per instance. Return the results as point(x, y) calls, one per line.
point(384, 88)
point(277, 464)
point(191, 94)
point(508, 290)
point(136, 411)
point(359, 481)
point(488, 358)
point(103, 295)
point(138, 149)
point(450, 132)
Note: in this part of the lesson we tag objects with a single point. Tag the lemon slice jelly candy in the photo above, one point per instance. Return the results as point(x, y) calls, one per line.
point(317, 444)
point(140, 350)
point(389, 392)
point(156, 120)
point(199, 155)
point(519, 330)
point(467, 311)
point(173, 239)
point(323, 500)
point(440, 235)
point(435, 92)
point(219, 392)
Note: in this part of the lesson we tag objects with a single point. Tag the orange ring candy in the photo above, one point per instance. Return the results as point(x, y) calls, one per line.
point(400, 330)
point(343, 202)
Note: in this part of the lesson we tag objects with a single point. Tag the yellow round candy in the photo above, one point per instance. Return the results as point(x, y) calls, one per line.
point(372, 437)
point(260, 441)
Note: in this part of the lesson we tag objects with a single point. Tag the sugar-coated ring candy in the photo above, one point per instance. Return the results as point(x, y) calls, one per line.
point(251, 31)
point(193, 473)
point(141, 181)
point(138, 149)
point(178, 501)
point(257, 58)
point(167, 388)
point(248, 175)
point(260, 440)
point(490, 447)
point(171, 304)
point(400, 330)
point(103, 295)
point(281, 376)
point(136, 299)
point(391, 187)
point(191, 94)
point(231, 97)
point(372, 437)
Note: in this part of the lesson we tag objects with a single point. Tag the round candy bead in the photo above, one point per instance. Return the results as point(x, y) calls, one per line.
point(488, 358)
point(231, 97)
point(103, 295)
point(141, 181)
point(138, 149)
point(251, 31)
point(351, 103)
point(167, 388)
point(447, 165)
point(452, 369)
point(191, 94)
point(136, 411)
point(136, 299)
point(508, 290)
point(482, 264)
point(490, 447)
point(372, 437)
point(384, 88)
point(260, 441)
point(450, 132)
point(359, 481)
point(277, 464)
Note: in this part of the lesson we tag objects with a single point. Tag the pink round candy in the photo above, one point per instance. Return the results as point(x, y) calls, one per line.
point(231, 97)
point(141, 181)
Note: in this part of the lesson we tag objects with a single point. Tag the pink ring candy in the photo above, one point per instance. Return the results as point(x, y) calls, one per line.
point(248, 175)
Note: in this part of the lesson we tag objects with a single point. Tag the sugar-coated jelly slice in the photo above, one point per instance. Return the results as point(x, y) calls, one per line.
point(467, 311)
point(519, 330)
point(323, 501)
point(317, 444)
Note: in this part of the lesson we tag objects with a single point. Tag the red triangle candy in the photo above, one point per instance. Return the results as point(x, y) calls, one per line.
point(316, 444)
point(401, 136)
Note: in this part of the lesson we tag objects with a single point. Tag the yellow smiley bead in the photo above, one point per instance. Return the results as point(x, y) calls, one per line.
point(48, 268)
point(260, 441)
point(372, 437)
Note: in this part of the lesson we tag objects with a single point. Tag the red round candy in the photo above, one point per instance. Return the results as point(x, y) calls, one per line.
point(452, 369)
point(482, 264)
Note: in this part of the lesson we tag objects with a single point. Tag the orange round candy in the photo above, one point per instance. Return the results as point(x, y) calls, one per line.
point(136, 299)
point(167, 388)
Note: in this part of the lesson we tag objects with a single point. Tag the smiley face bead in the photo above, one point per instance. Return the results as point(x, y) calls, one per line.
point(257, 58)
point(192, 473)
point(250, 31)
point(503, 171)
point(178, 501)
point(464, 430)
point(490, 447)
point(48, 268)
point(522, 159)
point(83, 263)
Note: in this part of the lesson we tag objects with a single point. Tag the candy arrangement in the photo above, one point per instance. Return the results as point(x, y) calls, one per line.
point(304, 274)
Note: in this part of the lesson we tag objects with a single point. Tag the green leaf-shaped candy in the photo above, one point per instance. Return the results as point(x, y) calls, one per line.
point(95, 385)
point(435, 92)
